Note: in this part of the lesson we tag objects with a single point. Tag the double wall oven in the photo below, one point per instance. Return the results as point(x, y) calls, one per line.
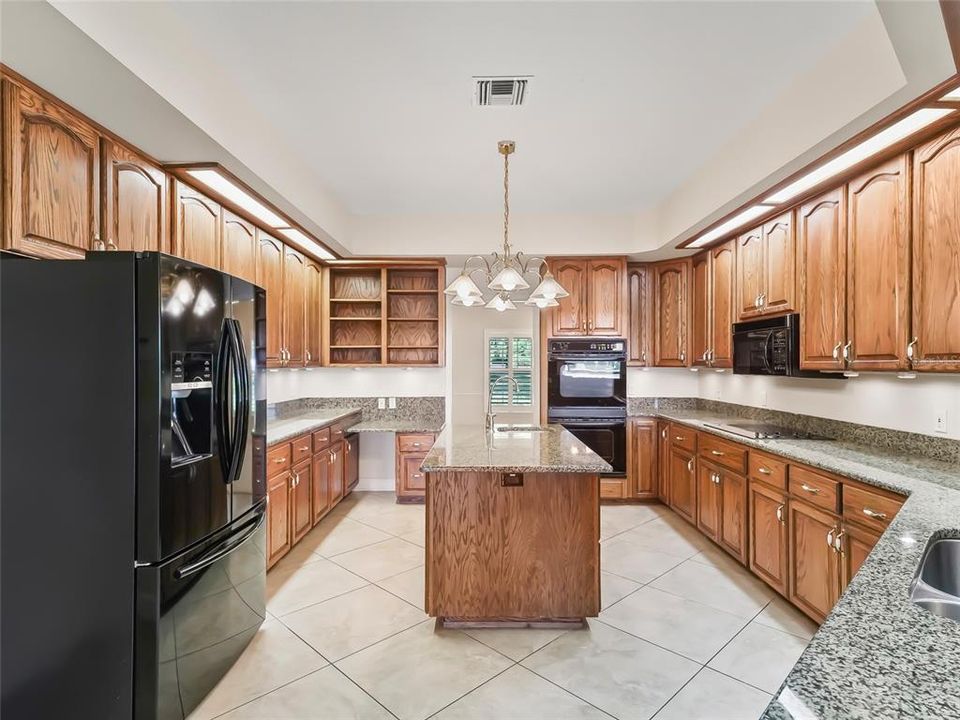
point(587, 394)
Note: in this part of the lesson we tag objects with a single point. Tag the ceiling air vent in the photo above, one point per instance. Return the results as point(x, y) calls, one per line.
point(500, 91)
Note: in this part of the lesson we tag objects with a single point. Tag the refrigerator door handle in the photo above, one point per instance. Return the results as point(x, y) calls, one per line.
point(221, 407)
point(242, 398)
point(225, 548)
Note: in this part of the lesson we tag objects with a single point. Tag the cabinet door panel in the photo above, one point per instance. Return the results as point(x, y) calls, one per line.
point(768, 535)
point(643, 461)
point(780, 278)
point(278, 517)
point(293, 305)
point(857, 543)
point(313, 325)
point(878, 267)
point(570, 317)
point(301, 511)
point(321, 489)
point(135, 201)
point(822, 252)
point(239, 247)
point(936, 254)
point(198, 227)
point(335, 473)
point(722, 269)
point(605, 282)
point(700, 304)
point(51, 177)
point(270, 278)
point(640, 314)
point(750, 265)
point(683, 485)
point(708, 501)
point(814, 569)
point(670, 335)
point(733, 515)
point(663, 461)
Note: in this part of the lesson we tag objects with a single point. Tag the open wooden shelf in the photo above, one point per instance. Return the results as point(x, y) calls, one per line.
point(413, 292)
point(355, 300)
point(412, 347)
point(408, 319)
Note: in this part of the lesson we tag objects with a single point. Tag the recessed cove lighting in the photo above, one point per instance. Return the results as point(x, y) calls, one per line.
point(235, 194)
point(307, 243)
point(871, 146)
point(733, 223)
point(952, 95)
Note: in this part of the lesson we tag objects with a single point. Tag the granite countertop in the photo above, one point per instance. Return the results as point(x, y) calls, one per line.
point(877, 655)
point(470, 447)
point(286, 428)
point(415, 425)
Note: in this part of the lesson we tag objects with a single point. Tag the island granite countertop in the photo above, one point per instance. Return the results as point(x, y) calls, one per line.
point(877, 655)
point(468, 448)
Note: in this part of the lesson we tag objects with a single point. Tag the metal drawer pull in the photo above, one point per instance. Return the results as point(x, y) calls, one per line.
point(417, 475)
point(678, 438)
point(304, 448)
point(910, 348)
point(838, 542)
point(416, 444)
point(280, 460)
point(690, 464)
point(836, 350)
point(764, 471)
point(780, 513)
point(717, 453)
point(830, 539)
point(811, 490)
point(874, 514)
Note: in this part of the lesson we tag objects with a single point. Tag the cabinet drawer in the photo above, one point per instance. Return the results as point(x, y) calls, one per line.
point(869, 508)
point(613, 488)
point(722, 452)
point(768, 469)
point(321, 439)
point(336, 433)
point(414, 478)
point(302, 449)
point(816, 489)
point(414, 443)
point(683, 437)
point(278, 459)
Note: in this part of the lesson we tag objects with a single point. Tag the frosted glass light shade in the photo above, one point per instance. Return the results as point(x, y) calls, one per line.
point(500, 303)
point(463, 287)
point(549, 289)
point(508, 279)
point(541, 302)
point(468, 301)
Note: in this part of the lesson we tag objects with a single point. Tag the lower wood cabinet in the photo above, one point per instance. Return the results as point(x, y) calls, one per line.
point(767, 535)
point(683, 484)
point(321, 490)
point(411, 481)
point(301, 499)
point(814, 562)
point(855, 544)
point(351, 462)
point(663, 462)
point(722, 508)
point(642, 480)
point(278, 517)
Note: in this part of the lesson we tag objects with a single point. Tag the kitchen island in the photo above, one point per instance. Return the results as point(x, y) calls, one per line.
point(512, 528)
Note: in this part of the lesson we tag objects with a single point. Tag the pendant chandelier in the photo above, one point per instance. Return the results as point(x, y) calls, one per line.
point(505, 273)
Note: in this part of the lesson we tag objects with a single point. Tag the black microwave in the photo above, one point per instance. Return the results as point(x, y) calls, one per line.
point(770, 347)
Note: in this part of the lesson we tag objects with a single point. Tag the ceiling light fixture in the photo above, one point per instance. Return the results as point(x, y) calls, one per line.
point(871, 146)
point(216, 181)
point(506, 272)
point(733, 223)
point(306, 243)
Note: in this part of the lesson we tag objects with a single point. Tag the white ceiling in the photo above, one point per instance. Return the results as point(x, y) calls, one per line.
point(374, 99)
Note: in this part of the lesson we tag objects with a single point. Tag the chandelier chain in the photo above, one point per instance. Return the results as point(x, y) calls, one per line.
point(506, 205)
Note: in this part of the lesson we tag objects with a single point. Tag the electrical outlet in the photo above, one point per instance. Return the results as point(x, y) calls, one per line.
point(381, 403)
point(940, 423)
point(393, 403)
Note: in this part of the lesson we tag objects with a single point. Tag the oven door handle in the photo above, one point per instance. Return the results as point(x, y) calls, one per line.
point(598, 357)
point(591, 423)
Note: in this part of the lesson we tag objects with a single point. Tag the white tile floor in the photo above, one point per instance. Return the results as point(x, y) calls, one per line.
point(685, 633)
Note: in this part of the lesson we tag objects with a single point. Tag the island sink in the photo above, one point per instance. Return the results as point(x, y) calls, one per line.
point(937, 585)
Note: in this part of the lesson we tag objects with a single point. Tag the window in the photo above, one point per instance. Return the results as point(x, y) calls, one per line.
point(510, 355)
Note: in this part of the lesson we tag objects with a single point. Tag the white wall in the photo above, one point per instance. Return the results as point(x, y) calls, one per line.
point(362, 382)
point(662, 382)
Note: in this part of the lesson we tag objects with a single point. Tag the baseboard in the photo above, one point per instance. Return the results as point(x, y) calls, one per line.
point(376, 484)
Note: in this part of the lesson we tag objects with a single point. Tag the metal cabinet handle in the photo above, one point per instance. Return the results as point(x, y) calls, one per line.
point(764, 471)
point(417, 475)
point(830, 539)
point(836, 351)
point(346, 448)
point(690, 464)
point(643, 356)
point(848, 351)
point(663, 433)
point(756, 302)
point(763, 300)
point(683, 356)
point(780, 513)
point(280, 460)
point(678, 438)
point(703, 357)
point(330, 454)
point(111, 245)
point(838, 542)
point(717, 453)
point(874, 514)
point(809, 489)
point(416, 444)
point(304, 448)
point(309, 356)
point(910, 348)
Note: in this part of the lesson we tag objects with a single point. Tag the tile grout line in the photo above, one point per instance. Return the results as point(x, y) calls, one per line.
point(509, 667)
point(268, 692)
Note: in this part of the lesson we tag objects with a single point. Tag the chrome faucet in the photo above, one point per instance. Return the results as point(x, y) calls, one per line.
point(488, 422)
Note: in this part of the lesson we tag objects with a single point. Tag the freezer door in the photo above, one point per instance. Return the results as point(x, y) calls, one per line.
point(195, 615)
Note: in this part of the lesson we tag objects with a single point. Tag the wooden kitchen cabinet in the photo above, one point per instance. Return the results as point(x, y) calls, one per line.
point(683, 484)
point(708, 500)
point(700, 302)
point(671, 299)
point(294, 297)
point(640, 315)
point(335, 472)
point(663, 461)
point(313, 323)
point(239, 247)
point(278, 516)
point(878, 267)
point(322, 502)
point(301, 499)
point(822, 282)
point(597, 302)
point(270, 278)
point(351, 462)
point(411, 481)
point(767, 535)
point(642, 458)
point(856, 543)
point(722, 507)
point(750, 273)
point(935, 343)
point(766, 269)
point(134, 201)
point(814, 578)
point(51, 177)
point(722, 297)
point(197, 226)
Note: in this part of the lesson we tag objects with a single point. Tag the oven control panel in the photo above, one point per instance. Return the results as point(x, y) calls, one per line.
point(587, 346)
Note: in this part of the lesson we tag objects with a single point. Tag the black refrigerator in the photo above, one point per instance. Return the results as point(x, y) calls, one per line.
point(132, 483)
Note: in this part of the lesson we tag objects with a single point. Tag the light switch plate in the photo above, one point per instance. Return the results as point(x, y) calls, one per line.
point(393, 403)
point(381, 403)
point(940, 422)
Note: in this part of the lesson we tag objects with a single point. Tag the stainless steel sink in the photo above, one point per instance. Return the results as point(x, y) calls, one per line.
point(936, 588)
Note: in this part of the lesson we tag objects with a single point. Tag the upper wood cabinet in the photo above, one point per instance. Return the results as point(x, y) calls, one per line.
point(878, 268)
point(722, 297)
point(671, 293)
point(642, 458)
point(597, 302)
point(294, 301)
point(936, 254)
point(822, 259)
point(134, 201)
point(640, 315)
point(313, 324)
point(270, 278)
point(197, 229)
point(51, 177)
point(700, 302)
point(239, 247)
point(766, 275)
